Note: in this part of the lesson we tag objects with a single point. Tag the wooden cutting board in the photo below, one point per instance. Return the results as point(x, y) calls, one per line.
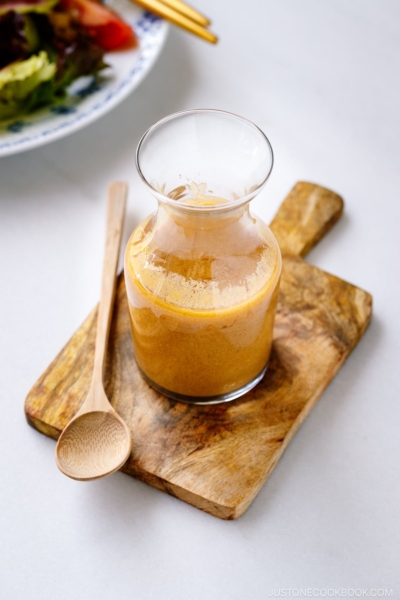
point(218, 457)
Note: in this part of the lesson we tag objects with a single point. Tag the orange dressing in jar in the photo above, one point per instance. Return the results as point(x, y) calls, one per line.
point(202, 273)
point(202, 294)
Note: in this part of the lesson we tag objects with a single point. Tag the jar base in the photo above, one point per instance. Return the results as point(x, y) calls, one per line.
point(202, 400)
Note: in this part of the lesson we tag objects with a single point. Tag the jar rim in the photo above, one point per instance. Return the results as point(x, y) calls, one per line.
point(202, 208)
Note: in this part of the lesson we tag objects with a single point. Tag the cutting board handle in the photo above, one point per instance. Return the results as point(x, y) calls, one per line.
point(305, 216)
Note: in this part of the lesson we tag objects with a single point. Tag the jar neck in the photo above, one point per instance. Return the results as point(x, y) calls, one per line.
point(203, 219)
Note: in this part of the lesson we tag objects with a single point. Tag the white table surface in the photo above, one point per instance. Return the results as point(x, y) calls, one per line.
point(322, 80)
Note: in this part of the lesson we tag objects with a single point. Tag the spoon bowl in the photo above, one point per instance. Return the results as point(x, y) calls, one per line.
point(97, 442)
point(93, 445)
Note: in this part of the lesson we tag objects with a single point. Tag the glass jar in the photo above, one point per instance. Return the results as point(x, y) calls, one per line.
point(202, 273)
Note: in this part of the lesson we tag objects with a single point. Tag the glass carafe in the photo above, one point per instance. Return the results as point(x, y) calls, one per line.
point(202, 273)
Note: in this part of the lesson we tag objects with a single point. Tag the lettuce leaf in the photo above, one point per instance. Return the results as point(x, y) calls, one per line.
point(69, 46)
point(19, 80)
point(24, 6)
point(18, 38)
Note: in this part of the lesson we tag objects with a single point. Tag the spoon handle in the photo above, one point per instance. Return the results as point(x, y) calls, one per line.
point(117, 194)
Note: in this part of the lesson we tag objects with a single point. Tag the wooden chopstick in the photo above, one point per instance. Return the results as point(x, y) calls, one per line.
point(187, 11)
point(177, 18)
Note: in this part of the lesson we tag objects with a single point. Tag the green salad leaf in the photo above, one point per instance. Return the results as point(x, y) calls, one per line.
point(20, 79)
point(25, 6)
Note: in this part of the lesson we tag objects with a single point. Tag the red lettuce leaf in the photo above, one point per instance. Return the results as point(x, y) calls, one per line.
point(13, 41)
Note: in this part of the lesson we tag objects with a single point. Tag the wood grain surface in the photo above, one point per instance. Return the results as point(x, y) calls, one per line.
point(218, 457)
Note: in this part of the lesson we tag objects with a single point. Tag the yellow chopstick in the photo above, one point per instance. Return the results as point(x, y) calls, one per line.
point(187, 11)
point(162, 10)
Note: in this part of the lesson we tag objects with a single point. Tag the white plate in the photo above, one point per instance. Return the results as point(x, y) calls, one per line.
point(89, 98)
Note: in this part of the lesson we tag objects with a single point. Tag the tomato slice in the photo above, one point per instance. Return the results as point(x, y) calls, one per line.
point(102, 23)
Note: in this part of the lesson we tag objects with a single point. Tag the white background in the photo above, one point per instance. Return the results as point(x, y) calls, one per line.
point(322, 80)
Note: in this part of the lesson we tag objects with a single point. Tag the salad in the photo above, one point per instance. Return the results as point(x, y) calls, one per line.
point(46, 44)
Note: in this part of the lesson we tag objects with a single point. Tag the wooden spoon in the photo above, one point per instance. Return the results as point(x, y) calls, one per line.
point(97, 442)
